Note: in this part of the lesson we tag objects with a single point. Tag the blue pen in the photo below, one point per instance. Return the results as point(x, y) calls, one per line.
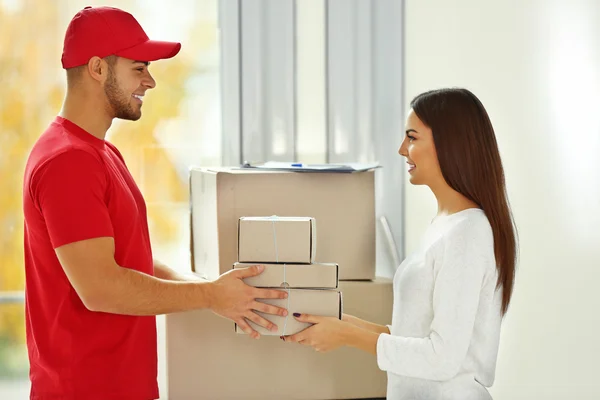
point(297, 165)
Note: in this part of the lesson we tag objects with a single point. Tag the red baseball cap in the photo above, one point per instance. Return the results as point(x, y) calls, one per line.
point(105, 31)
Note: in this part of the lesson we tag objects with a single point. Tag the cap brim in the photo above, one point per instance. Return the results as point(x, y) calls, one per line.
point(151, 50)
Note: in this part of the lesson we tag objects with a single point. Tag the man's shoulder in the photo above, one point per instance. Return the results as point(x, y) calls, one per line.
point(56, 141)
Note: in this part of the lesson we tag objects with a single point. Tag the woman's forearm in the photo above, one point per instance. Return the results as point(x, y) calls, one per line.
point(362, 339)
point(361, 323)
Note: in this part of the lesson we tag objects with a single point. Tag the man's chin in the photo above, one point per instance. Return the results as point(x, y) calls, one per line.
point(130, 117)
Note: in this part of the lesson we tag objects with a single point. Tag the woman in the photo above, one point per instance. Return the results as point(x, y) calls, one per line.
point(451, 294)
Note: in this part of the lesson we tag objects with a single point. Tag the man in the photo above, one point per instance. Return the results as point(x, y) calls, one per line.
point(92, 286)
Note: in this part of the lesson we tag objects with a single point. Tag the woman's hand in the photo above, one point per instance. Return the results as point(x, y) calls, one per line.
point(351, 319)
point(326, 334)
point(330, 333)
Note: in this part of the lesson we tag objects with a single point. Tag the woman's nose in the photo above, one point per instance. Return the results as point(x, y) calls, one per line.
point(402, 149)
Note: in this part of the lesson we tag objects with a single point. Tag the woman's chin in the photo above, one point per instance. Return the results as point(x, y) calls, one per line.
point(413, 179)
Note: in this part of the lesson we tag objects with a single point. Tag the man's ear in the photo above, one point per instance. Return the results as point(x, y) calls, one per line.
point(97, 68)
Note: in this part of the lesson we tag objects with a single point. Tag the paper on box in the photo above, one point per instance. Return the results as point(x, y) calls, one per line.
point(294, 276)
point(327, 303)
point(276, 239)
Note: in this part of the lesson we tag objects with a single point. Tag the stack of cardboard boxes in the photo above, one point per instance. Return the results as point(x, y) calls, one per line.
point(203, 352)
point(286, 247)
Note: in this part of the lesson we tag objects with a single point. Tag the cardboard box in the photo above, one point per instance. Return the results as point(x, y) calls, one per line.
point(294, 276)
point(343, 205)
point(204, 356)
point(327, 303)
point(276, 239)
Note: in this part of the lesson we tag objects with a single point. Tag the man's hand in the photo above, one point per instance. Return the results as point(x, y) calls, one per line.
point(231, 298)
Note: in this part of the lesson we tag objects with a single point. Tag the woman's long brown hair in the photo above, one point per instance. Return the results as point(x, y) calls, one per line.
point(470, 162)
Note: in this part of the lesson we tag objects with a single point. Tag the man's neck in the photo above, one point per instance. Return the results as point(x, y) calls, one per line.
point(89, 116)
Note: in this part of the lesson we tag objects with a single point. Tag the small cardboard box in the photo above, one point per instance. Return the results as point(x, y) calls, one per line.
point(276, 239)
point(327, 303)
point(294, 276)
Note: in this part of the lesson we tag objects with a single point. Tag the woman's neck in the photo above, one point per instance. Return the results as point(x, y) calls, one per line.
point(450, 201)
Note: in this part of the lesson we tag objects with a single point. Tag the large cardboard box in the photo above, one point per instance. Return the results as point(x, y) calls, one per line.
point(206, 359)
point(327, 303)
point(276, 239)
point(294, 276)
point(343, 205)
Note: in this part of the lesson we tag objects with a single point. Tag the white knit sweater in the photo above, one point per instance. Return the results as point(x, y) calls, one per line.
point(447, 313)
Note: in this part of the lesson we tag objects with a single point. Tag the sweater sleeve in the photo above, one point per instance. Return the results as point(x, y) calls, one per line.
point(460, 272)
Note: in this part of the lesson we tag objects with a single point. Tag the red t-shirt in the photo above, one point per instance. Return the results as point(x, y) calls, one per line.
point(78, 187)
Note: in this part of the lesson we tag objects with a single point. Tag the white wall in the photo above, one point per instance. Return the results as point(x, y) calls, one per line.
point(535, 65)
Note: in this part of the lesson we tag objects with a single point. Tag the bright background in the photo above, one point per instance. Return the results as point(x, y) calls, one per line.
point(535, 64)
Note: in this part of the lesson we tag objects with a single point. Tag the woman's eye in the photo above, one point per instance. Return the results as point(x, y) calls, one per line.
point(410, 137)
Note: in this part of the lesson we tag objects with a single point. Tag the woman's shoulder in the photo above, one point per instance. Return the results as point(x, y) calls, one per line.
point(468, 229)
point(471, 223)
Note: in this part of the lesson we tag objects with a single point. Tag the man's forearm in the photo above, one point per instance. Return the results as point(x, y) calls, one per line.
point(134, 293)
point(163, 272)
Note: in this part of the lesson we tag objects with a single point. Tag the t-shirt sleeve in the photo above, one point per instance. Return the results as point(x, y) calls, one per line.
point(462, 269)
point(70, 192)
